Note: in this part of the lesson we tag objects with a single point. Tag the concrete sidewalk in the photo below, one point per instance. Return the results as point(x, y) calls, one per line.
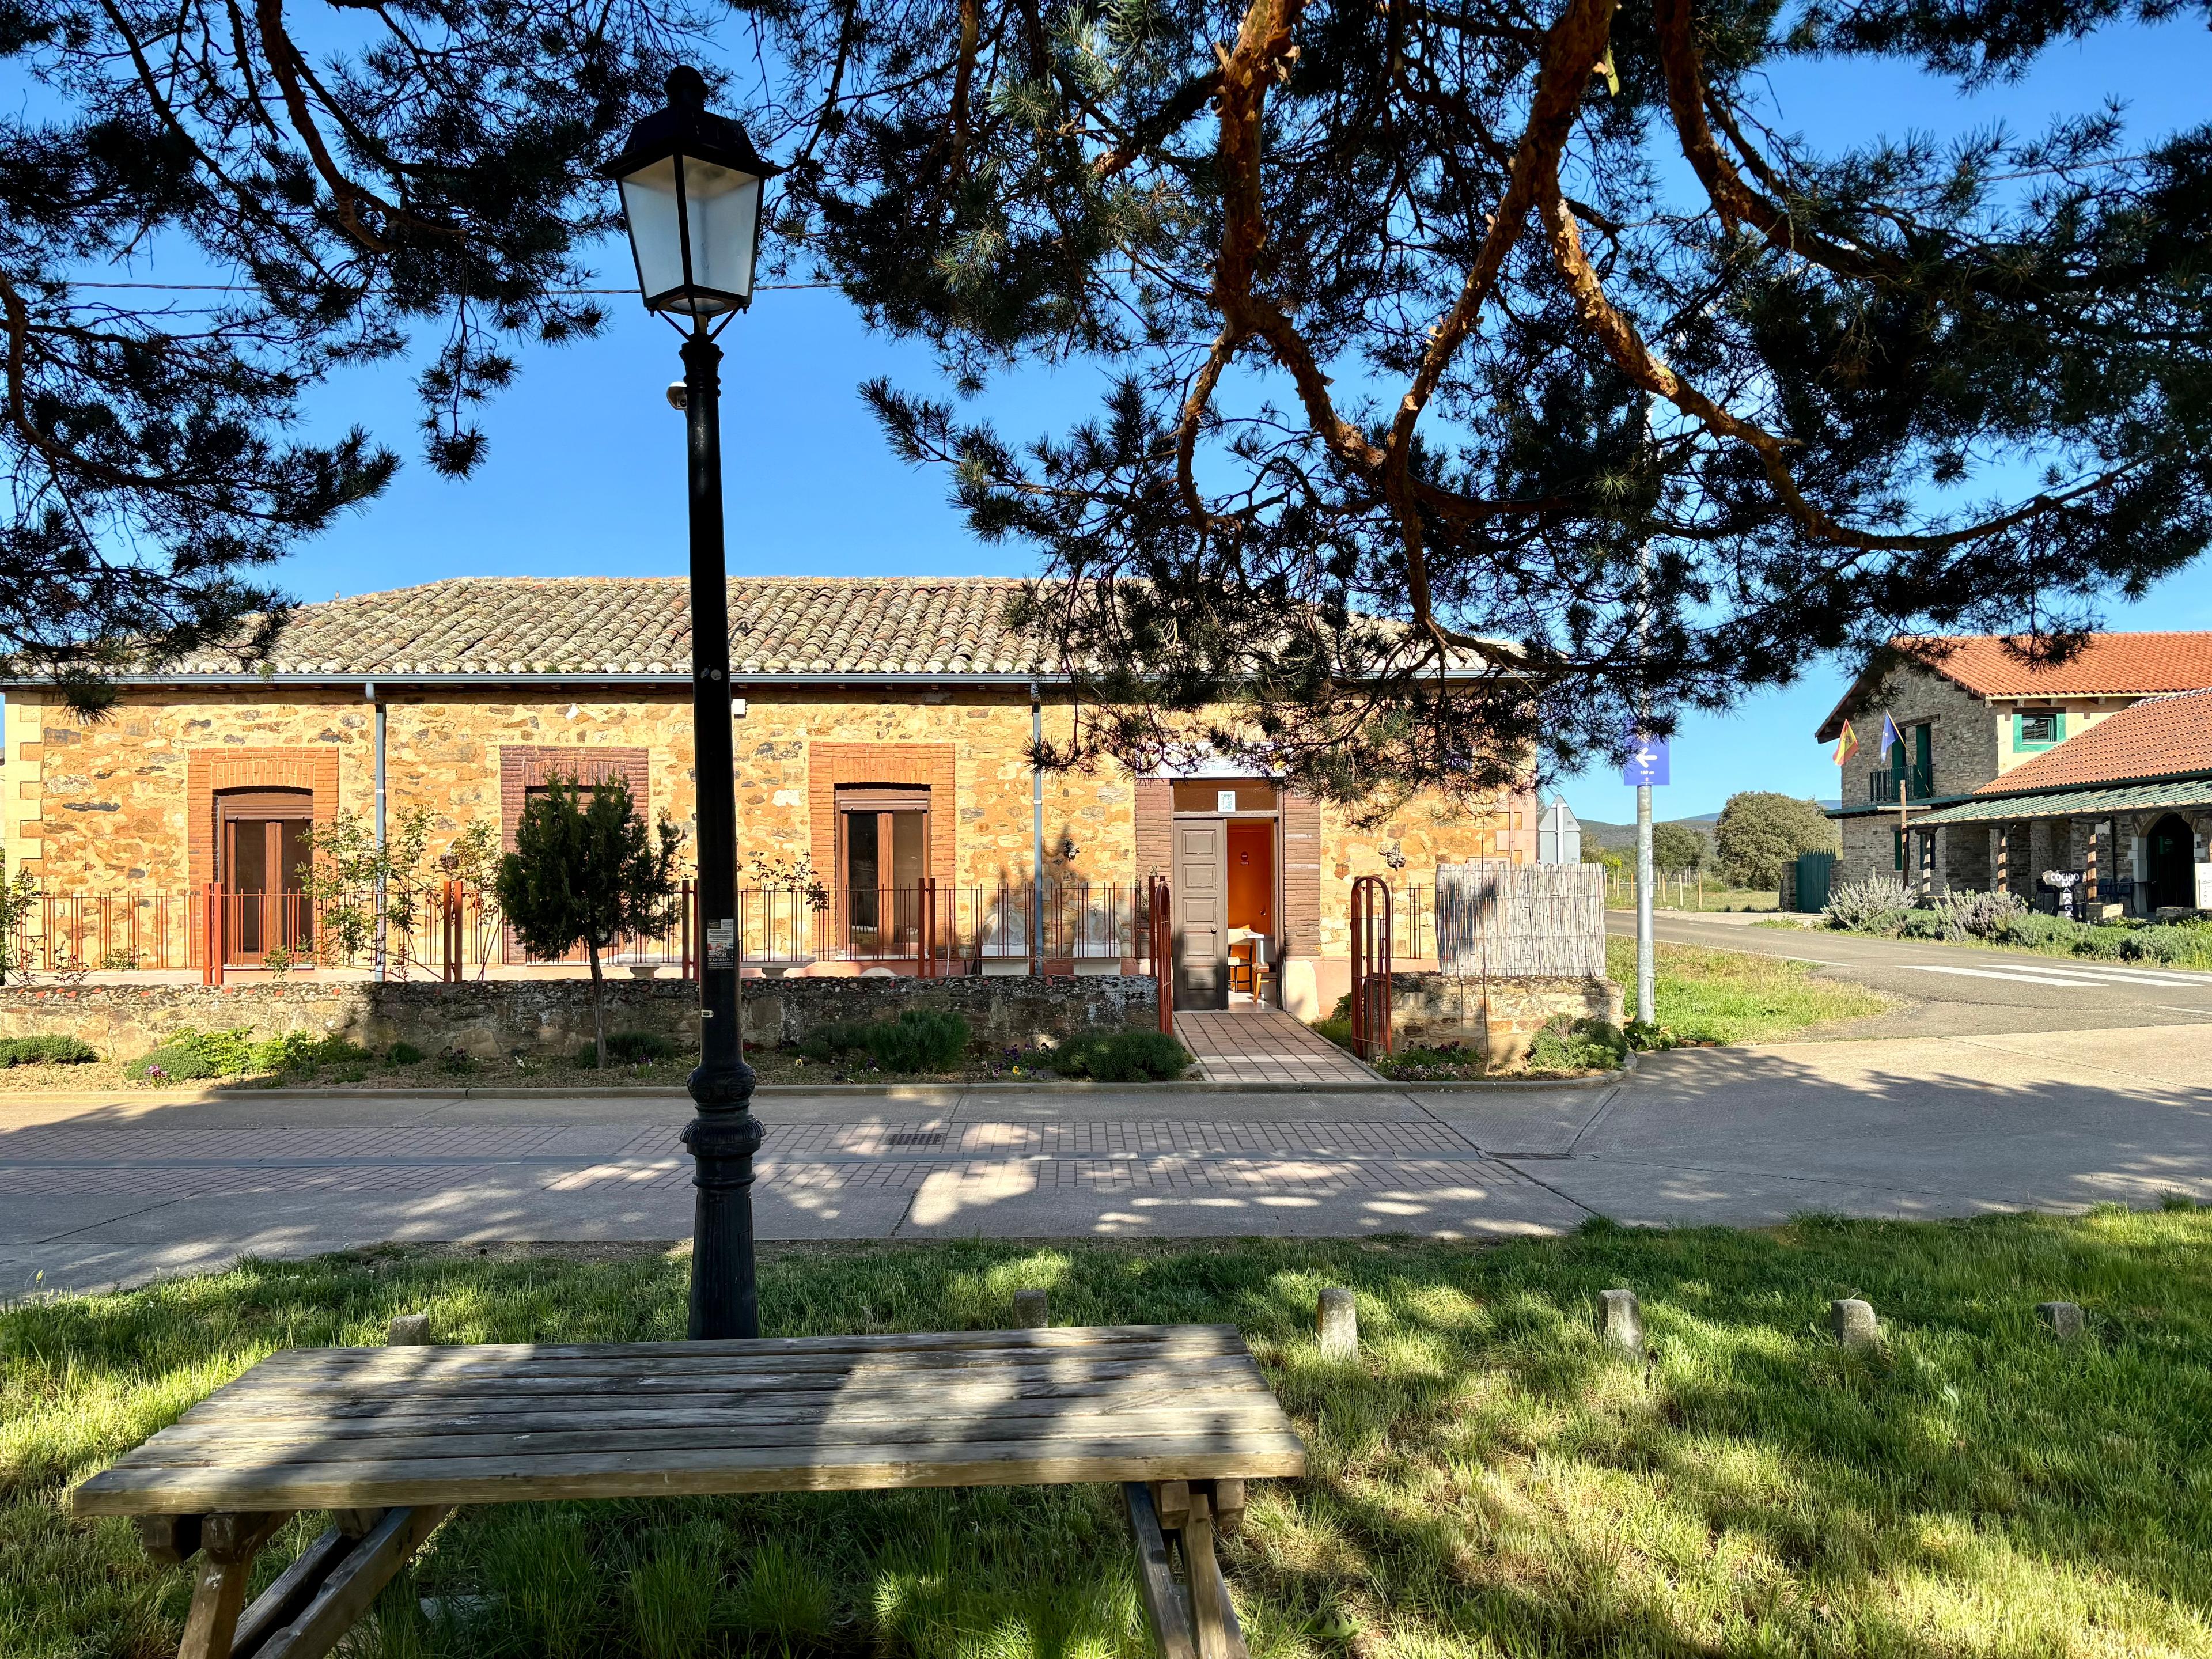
point(119, 1191)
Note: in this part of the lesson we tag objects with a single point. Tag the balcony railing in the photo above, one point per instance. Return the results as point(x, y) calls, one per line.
point(1881, 787)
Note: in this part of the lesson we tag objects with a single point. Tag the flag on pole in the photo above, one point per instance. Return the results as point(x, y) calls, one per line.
point(1890, 734)
point(1847, 746)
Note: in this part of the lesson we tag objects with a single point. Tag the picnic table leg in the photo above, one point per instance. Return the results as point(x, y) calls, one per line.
point(1165, 1608)
point(228, 1543)
point(1203, 1620)
point(1212, 1615)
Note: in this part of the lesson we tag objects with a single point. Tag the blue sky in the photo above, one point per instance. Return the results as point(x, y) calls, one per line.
point(584, 473)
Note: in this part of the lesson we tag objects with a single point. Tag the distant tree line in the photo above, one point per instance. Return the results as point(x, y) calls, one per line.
point(1756, 834)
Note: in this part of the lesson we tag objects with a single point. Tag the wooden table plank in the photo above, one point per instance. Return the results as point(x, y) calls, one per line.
point(127, 1490)
point(552, 1415)
point(922, 1438)
point(259, 1389)
point(277, 1369)
point(1223, 1339)
point(377, 1427)
point(613, 1406)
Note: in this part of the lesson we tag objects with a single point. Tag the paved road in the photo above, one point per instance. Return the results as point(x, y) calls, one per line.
point(1959, 990)
point(117, 1190)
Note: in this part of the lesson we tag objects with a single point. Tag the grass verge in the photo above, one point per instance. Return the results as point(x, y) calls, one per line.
point(1741, 996)
point(1671, 896)
point(1486, 1481)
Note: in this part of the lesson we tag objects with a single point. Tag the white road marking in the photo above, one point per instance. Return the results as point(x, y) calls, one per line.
point(2031, 977)
point(2171, 1009)
point(2140, 976)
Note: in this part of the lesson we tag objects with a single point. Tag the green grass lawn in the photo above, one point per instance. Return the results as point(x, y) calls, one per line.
point(1671, 895)
point(1739, 996)
point(1486, 1482)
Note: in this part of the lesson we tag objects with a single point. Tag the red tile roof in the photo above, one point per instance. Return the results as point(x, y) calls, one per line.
point(1991, 665)
point(2107, 665)
point(2162, 737)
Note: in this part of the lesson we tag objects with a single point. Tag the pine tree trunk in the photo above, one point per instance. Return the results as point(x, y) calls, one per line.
point(599, 1004)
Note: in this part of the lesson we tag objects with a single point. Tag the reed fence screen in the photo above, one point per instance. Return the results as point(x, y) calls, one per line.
point(1499, 920)
point(926, 929)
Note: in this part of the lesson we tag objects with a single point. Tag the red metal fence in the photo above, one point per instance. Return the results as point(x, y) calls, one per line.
point(1373, 905)
point(453, 933)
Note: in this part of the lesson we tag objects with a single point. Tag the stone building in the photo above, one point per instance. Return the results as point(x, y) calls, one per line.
point(2010, 769)
point(883, 733)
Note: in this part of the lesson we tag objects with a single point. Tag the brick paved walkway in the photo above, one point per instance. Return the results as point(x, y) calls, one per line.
point(1263, 1045)
point(81, 1206)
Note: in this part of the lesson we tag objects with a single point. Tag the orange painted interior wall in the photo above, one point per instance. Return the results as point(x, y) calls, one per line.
point(1252, 877)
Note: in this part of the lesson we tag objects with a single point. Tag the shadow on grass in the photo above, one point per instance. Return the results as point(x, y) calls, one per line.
point(1487, 1479)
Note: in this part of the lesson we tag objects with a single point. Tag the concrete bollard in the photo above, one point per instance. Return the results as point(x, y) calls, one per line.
point(1338, 1320)
point(409, 1331)
point(2064, 1319)
point(1854, 1324)
point(1620, 1321)
point(1029, 1310)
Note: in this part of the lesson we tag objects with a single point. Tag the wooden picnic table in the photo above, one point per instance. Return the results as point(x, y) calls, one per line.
point(389, 1439)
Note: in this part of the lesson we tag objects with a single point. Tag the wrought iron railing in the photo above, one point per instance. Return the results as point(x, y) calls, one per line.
point(453, 932)
point(1919, 785)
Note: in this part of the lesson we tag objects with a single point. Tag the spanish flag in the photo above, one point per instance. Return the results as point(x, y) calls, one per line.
point(1847, 746)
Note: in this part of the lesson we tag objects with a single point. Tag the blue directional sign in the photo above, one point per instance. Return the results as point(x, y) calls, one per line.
point(1647, 759)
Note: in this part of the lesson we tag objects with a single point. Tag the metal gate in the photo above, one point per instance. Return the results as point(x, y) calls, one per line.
point(1814, 873)
point(1370, 966)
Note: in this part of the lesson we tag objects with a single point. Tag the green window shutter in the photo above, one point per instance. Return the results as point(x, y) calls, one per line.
point(1924, 761)
point(1896, 847)
point(2059, 727)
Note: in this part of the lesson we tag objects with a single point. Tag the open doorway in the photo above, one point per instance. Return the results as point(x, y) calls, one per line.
point(2170, 864)
point(1228, 897)
point(1251, 908)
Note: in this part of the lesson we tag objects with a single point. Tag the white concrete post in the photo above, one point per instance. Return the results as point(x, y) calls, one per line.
point(1337, 1319)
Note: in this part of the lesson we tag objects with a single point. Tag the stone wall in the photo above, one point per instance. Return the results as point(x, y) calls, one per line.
point(107, 807)
point(1500, 1017)
point(104, 805)
point(494, 1019)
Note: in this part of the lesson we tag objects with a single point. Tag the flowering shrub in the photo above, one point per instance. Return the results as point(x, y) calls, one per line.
point(1877, 905)
point(1979, 915)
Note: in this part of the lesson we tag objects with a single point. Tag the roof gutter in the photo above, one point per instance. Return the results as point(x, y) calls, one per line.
point(1012, 682)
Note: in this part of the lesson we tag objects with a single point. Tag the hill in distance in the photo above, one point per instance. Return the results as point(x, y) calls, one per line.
point(1623, 836)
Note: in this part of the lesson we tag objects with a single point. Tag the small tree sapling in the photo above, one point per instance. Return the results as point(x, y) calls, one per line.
point(585, 871)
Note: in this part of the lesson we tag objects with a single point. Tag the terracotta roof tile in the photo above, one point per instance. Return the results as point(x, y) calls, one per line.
point(2161, 736)
point(2107, 665)
point(626, 625)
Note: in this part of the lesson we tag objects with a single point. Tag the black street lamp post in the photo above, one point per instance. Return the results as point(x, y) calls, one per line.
point(692, 197)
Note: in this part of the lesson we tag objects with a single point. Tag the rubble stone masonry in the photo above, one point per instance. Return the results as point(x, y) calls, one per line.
point(115, 804)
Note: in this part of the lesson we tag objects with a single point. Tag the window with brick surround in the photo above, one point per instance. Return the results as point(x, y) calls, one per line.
point(524, 769)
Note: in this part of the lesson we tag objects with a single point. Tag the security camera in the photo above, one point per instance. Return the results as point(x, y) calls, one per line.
point(678, 400)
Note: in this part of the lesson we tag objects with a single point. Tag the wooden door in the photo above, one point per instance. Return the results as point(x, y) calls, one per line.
point(1201, 922)
point(261, 889)
point(882, 856)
